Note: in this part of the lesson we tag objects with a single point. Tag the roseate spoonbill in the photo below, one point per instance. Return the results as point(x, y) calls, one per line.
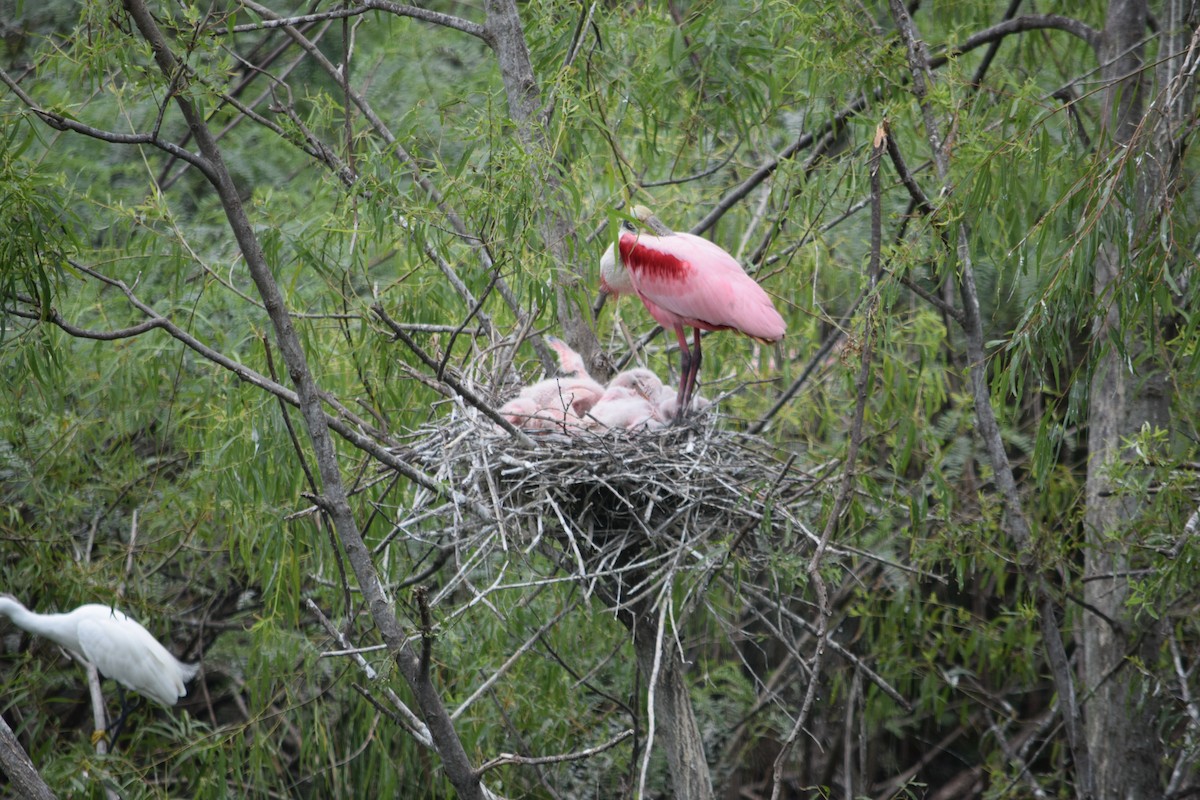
point(624, 407)
point(112, 642)
point(684, 280)
point(573, 392)
point(570, 363)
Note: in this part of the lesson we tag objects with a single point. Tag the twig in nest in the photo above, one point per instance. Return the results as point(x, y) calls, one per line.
point(459, 389)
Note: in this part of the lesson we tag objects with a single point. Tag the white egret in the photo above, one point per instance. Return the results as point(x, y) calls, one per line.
point(112, 642)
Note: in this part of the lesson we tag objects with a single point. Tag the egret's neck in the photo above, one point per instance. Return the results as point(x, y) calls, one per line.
point(48, 625)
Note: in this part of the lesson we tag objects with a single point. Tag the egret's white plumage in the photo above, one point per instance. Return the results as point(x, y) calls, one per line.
point(115, 644)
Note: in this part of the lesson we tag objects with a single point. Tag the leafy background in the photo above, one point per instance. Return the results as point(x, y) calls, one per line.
point(137, 472)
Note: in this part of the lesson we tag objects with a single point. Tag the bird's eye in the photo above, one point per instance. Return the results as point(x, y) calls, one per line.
point(626, 225)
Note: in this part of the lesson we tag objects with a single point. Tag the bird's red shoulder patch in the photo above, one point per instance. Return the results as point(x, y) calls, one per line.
point(649, 261)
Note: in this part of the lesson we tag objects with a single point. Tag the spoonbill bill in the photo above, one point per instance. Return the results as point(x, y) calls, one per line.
point(684, 280)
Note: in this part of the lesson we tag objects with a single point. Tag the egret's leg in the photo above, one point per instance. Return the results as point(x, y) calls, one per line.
point(114, 730)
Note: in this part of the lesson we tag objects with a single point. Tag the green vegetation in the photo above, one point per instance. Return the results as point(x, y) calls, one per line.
point(161, 449)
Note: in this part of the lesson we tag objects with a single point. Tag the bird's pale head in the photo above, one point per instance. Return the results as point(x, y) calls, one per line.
point(642, 213)
point(614, 278)
point(650, 222)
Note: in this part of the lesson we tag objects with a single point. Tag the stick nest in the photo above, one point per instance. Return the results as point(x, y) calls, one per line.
point(622, 507)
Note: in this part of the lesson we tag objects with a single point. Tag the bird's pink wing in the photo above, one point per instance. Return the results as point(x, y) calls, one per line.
point(684, 279)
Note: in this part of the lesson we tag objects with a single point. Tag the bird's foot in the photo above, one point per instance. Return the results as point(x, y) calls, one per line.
point(100, 736)
point(683, 418)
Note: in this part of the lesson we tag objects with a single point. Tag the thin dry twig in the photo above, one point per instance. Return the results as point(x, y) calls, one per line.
point(510, 758)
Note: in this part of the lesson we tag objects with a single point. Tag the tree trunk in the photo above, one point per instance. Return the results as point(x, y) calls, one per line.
point(20, 770)
point(675, 726)
point(1126, 393)
point(507, 38)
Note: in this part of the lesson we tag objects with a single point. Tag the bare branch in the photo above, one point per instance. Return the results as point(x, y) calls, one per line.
point(579, 755)
point(401, 10)
point(1028, 22)
point(62, 123)
point(282, 22)
point(906, 177)
point(83, 333)
point(436, 17)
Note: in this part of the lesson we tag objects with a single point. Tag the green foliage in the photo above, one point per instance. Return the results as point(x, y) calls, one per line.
point(134, 470)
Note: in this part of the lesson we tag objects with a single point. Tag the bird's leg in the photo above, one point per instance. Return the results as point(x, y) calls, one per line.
point(697, 357)
point(685, 370)
point(114, 730)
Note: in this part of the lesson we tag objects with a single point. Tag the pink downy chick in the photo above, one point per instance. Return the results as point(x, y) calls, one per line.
point(528, 415)
point(642, 381)
point(573, 389)
point(667, 407)
point(570, 363)
point(518, 410)
point(622, 407)
point(564, 394)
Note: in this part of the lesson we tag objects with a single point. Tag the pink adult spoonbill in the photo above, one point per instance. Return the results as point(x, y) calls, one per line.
point(684, 280)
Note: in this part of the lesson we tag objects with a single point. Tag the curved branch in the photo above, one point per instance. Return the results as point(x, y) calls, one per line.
point(347, 425)
point(1027, 22)
point(82, 333)
point(423, 14)
point(435, 17)
point(509, 758)
point(283, 22)
point(62, 123)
